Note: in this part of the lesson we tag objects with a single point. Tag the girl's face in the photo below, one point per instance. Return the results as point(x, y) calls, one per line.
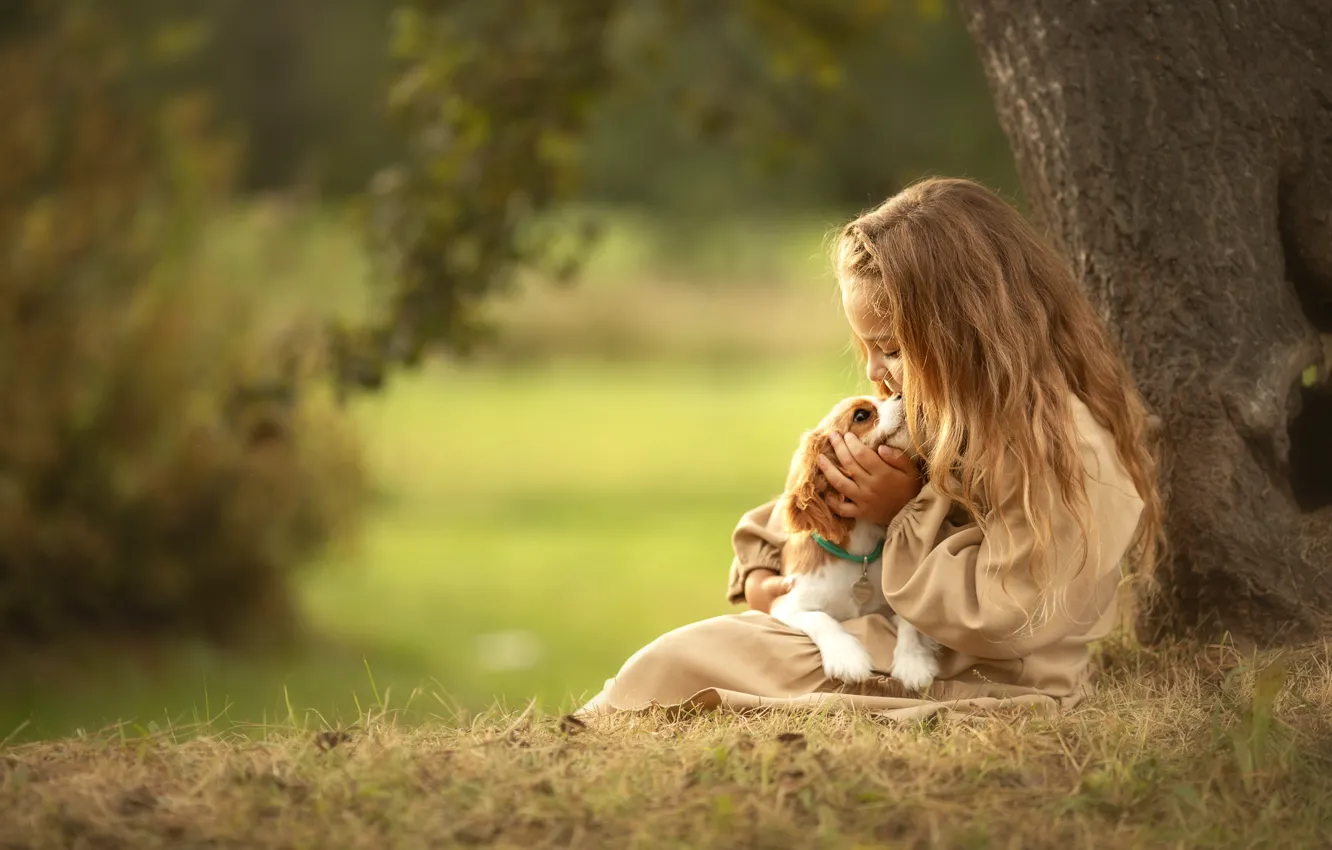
point(883, 358)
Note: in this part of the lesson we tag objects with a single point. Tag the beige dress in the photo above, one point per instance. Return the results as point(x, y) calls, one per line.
point(939, 573)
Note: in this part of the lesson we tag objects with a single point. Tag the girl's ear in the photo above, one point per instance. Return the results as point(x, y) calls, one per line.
point(807, 488)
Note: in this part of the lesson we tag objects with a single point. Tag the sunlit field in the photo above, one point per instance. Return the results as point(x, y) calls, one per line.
point(536, 515)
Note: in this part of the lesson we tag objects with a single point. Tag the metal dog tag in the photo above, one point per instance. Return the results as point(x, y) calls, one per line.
point(862, 591)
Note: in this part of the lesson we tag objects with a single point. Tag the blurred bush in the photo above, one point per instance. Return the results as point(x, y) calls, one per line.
point(159, 471)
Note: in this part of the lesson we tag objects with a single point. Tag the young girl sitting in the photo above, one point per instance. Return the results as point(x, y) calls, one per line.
point(1039, 495)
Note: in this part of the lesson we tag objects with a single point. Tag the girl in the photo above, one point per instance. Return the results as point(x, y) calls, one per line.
point(1040, 484)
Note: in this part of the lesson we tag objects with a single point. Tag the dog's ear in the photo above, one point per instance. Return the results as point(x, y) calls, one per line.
point(807, 489)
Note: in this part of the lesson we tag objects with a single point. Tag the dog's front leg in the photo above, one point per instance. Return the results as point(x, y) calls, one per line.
point(915, 662)
point(844, 657)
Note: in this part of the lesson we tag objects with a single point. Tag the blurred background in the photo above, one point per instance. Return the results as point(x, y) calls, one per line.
point(195, 523)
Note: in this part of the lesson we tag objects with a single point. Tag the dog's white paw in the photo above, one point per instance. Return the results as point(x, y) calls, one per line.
point(846, 659)
point(915, 670)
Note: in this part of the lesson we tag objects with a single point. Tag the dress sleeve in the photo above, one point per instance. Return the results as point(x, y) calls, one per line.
point(972, 588)
point(757, 541)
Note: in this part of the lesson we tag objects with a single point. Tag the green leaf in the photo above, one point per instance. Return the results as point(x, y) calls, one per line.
point(723, 812)
point(1188, 795)
point(1310, 376)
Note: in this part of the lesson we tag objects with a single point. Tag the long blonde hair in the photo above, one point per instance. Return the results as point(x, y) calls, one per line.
point(994, 333)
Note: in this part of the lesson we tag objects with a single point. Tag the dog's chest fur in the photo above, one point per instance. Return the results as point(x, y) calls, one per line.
point(828, 586)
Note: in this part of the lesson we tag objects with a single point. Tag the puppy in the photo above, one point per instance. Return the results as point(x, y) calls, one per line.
point(833, 563)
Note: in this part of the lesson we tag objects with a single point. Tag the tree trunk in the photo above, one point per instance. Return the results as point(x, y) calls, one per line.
point(1180, 154)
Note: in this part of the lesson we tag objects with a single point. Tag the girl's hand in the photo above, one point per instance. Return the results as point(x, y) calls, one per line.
point(874, 485)
point(762, 587)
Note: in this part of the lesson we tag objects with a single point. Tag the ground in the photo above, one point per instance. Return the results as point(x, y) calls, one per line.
point(1181, 747)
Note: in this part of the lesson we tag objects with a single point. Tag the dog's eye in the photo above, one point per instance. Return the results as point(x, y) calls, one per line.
point(897, 397)
point(862, 414)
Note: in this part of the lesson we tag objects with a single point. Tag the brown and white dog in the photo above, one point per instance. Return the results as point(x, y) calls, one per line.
point(834, 563)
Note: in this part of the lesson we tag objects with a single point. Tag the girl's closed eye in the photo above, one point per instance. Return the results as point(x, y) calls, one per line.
point(885, 346)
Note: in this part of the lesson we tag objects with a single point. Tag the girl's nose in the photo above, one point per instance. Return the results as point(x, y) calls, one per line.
point(878, 370)
point(875, 370)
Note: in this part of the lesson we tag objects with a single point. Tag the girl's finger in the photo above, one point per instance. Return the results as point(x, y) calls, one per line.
point(850, 510)
point(844, 457)
point(839, 482)
point(866, 457)
point(898, 459)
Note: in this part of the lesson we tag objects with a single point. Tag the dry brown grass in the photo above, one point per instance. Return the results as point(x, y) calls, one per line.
point(1182, 747)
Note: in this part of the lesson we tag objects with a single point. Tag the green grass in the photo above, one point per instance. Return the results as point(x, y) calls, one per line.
point(562, 501)
point(585, 507)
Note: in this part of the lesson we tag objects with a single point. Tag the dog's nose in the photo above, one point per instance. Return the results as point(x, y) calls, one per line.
point(890, 411)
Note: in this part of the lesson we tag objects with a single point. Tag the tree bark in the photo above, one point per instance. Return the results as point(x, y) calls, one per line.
point(1180, 154)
